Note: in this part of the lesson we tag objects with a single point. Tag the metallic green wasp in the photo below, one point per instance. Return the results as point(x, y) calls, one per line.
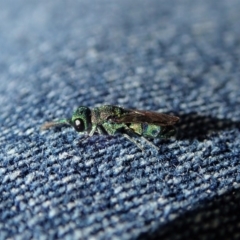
point(111, 119)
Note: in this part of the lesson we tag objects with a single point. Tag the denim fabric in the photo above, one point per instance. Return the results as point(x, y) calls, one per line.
point(179, 57)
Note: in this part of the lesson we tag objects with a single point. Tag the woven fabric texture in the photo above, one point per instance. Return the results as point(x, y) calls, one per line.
point(176, 57)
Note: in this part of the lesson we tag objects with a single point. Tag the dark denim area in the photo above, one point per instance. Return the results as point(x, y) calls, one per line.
point(179, 57)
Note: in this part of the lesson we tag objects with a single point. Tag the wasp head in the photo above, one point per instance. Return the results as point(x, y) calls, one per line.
point(81, 119)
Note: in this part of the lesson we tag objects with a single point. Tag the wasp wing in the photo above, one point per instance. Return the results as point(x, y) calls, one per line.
point(140, 116)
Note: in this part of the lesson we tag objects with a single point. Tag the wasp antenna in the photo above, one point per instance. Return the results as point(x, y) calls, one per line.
point(48, 125)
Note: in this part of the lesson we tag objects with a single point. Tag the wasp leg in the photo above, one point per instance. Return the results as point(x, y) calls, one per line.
point(150, 143)
point(133, 141)
point(131, 132)
point(86, 137)
point(94, 128)
point(101, 131)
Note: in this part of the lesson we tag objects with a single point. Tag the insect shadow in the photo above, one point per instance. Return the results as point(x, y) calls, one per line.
point(195, 126)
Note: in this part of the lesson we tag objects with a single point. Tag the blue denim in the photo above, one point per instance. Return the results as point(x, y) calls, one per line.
point(177, 57)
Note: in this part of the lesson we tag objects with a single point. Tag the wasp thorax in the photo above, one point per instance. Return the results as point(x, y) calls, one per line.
point(81, 119)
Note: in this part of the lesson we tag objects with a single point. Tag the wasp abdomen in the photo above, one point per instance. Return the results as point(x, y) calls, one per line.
point(152, 131)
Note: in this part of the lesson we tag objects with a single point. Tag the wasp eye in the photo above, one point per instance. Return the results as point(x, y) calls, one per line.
point(78, 125)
